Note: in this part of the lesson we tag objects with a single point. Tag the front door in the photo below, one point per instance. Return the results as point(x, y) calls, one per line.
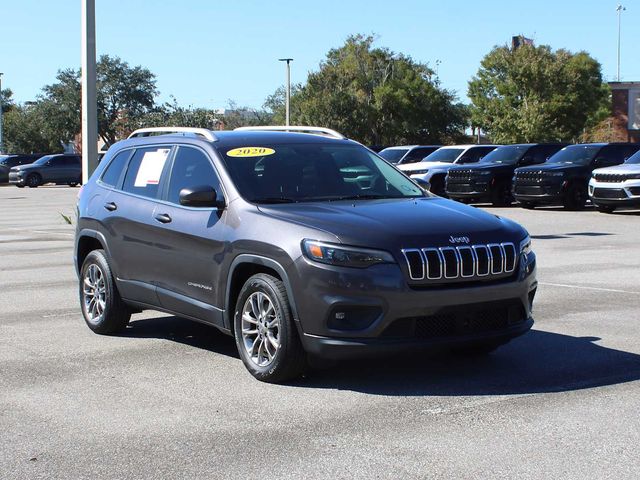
point(191, 239)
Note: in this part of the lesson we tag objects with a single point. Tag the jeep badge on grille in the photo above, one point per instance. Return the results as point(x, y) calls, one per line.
point(454, 240)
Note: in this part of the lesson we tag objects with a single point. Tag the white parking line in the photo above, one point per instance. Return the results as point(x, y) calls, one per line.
point(589, 288)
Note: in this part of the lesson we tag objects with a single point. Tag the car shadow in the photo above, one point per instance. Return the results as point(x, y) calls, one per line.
point(183, 331)
point(537, 362)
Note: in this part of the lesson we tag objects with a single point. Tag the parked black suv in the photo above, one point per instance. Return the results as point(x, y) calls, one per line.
point(269, 237)
point(61, 169)
point(490, 179)
point(564, 178)
point(7, 162)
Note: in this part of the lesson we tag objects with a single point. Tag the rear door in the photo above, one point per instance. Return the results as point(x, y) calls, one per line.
point(129, 224)
point(192, 239)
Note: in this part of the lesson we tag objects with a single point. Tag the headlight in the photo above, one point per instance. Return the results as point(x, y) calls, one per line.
point(555, 174)
point(344, 256)
point(525, 246)
point(419, 172)
point(483, 173)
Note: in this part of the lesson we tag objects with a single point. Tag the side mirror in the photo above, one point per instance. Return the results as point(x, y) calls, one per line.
point(200, 196)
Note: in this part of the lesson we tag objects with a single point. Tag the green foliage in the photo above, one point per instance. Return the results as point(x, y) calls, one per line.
point(375, 96)
point(533, 94)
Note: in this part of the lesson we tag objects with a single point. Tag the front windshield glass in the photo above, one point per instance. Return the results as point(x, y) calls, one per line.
point(313, 172)
point(43, 160)
point(575, 155)
point(447, 155)
point(634, 159)
point(507, 155)
point(393, 155)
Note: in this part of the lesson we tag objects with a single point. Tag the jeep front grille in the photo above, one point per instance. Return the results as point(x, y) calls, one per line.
point(611, 177)
point(461, 262)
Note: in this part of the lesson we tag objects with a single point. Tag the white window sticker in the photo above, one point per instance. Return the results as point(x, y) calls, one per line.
point(151, 167)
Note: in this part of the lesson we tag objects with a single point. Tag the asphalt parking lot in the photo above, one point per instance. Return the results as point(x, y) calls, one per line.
point(171, 399)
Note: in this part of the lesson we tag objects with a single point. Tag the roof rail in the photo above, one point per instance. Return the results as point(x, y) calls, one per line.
point(313, 130)
point(146, 132)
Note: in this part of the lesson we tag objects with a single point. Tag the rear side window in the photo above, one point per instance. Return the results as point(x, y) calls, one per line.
point(144, 171)
point(112, 174)
point(191, 168)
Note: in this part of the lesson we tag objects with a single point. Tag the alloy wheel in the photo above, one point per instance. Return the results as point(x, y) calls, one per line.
point(260, 329)
point(94, 293)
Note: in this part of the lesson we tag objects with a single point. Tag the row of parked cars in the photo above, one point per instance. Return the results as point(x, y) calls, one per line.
point(532, 174)
point(34, 170)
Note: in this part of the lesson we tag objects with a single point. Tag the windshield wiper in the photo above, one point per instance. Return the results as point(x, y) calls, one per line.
point(369, 196)
point(273, 200)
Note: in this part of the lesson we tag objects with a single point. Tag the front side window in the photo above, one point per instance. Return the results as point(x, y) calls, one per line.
point(191, 168)
point(313, 172)
point(393, 155)
point(507, 155)
point(144, 171)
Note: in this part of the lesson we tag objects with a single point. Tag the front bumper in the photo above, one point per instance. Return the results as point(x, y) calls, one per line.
point(16, 178)
point(544, 194)
point(475, 190)
point(618, 194)
point(382, 295)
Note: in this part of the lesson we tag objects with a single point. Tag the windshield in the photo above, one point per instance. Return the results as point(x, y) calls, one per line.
point(393, 155)
point(448, 155)
point(575, 155)
point(43, 160)
point(313, 172)
point(634, 159)
point(507, 155)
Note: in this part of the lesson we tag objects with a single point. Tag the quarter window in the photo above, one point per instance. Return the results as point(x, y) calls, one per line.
point(191, 168)
point(112, 174)
point(144, 171)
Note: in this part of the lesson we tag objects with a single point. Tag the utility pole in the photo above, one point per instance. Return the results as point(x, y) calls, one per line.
point(1, 137)
point(619, 9)
point(89, 96)
point(288, 92)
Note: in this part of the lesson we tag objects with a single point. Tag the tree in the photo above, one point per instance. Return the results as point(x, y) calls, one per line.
point(375, 96)
point(533, 94)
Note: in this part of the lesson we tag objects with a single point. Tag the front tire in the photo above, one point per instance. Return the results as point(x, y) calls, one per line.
point(575, 197)
point(34, 180)
point(102, 308)
point(501, 195)
point(265, 333)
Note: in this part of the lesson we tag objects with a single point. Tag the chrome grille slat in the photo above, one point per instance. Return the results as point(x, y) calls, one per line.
point(461, 262)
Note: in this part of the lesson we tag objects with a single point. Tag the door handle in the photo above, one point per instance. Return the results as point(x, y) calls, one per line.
point(110, 206)
point(163, 218)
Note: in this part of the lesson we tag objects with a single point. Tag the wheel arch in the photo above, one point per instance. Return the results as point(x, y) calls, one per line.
point(243, 267)
point(87, 241)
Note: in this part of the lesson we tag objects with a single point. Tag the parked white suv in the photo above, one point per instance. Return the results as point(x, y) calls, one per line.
point(433, 169)
point(614, 187)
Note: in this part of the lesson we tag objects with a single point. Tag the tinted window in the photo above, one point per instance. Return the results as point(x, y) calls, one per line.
point(57, 161)
point(393, 154)
point(615, 154)
point(191, 168)
point(634, 159)
point(144, 171)
point(444, 155)
point(542, 153)
point(576, 155)
point(314, 172)
point(111, 175)
point(507, 155)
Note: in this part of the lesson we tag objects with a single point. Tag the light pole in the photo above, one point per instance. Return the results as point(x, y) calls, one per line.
point(619, 9)
point(1, 137)
point(89, 97)
point(288, 92)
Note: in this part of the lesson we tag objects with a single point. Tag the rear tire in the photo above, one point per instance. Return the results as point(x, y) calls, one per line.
point(34, 180)
point(102, 308)
point(265, 332)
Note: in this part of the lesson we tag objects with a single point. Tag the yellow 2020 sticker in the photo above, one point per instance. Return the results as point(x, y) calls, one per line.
point(250, 152)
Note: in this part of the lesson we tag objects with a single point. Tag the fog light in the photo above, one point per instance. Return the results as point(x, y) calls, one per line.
point(351, 318)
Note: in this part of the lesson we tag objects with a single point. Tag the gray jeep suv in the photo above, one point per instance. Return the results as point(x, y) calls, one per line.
point(296, 244)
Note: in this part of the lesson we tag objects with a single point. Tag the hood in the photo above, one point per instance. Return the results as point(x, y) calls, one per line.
point(29, 166)
point(393, 224)
point(551, 167)
point(483, 167)
point(620, 169)
point(423, 166)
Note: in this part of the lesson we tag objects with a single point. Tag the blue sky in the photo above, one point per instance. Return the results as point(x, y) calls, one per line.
point(207, 52)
